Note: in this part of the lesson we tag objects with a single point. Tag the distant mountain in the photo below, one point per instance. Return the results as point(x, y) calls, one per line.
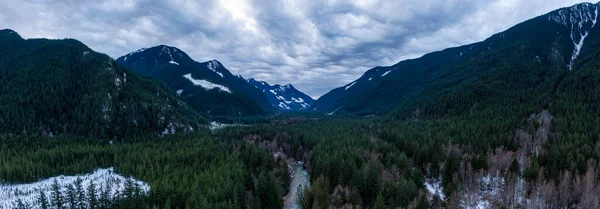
point(208, 87)
point(284, 98)
point(52, 87)
point(526, 64)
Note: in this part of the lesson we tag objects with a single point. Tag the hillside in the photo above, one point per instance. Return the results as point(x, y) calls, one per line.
point(207, 87)
point(52, 87)
point(283, 98)
point(524, 64)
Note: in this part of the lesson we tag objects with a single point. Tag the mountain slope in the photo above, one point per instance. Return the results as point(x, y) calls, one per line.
point(50, 87)
point(525, 62)
point(284, 98)
point(207, 87)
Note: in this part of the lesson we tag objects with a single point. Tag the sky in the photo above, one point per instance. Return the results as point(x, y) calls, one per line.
point(314, 45)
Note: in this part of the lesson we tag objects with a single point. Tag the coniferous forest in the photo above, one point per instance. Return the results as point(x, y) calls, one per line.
point(510, 125)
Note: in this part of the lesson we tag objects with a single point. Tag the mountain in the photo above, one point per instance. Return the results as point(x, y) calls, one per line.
point(527, 65)
point(284, 98)
point(52, 87)
point(208, 87)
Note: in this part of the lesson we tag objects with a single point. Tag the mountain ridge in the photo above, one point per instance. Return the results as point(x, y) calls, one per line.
point(382, 90)
point(67, 88)
point(283, 97)
point(208, 86)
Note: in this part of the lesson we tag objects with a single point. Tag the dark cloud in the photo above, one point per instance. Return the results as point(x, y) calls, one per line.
point(316, 45)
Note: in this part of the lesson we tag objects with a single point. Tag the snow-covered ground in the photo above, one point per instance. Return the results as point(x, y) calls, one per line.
point(434, 187)
point(28, 193)
point(489, 189)
point(352, 84)
point(216, 125)
point(206, 84)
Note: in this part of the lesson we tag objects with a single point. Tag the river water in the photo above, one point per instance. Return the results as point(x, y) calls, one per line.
point(299, 177)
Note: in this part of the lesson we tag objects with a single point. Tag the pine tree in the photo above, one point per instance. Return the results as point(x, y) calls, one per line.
point(92, 198)
point(81, 203)
point(105, 196)
point(42, 200)
point(72, 196)
point(56, 195)
point(269, 190)
point(19, 204)
point(379, 202)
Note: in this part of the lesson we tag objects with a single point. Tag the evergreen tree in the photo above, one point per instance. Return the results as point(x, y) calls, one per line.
point(379, 202)
point(269, 190)
point(105, 195)
point(72, 196)
point(42, 199)
point(56, 195)
point(19, 204)
point(92, 196)
point(81, 198)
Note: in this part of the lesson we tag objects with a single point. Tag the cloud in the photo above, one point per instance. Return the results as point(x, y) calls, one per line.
point(316, 45)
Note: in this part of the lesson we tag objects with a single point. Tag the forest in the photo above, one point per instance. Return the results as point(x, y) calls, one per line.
point(509, 126)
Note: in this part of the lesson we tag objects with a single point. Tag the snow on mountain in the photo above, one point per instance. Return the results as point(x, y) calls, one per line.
point(286, 97)
point(580, 19)
point(352, 84)
point(206, 84)
point(384, 74)
point(214, 65)
point(28, 193)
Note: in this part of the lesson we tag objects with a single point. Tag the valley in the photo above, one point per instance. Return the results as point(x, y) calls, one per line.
point(507, 122)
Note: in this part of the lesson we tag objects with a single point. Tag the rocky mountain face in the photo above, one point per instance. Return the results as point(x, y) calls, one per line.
point(284, 98)
point(207, 87)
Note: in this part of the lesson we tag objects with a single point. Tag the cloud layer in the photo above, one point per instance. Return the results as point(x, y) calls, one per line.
point(315, 45)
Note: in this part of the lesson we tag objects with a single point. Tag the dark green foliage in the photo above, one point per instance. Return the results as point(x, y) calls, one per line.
point(52, 87)
point(379, 203)
point(92, 196)
point(71, 196)
point(42, 200)
point(514, 167)
point(269, 191)
point(189, 171)
point(56, 196)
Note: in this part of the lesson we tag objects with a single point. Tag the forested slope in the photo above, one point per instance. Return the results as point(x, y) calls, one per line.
point(52, 87)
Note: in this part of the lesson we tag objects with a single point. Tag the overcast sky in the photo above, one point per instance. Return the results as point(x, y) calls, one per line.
point(315, 45)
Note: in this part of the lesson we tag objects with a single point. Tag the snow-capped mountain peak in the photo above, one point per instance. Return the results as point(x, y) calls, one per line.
point(283, 97)
point(580, 19)
point(214, 65)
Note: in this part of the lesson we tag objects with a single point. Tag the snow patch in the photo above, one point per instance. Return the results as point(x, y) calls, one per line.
point(352, 84)
point(283, 105)
point(434, 187)
point(214, 65)
point(331, 113)
point(206, 84)
point(179, 92)
point(173, 62)
point(28, 193)
point(216, 125)
point(384, 74)
point(135, 52)
point(577, 18)
point(299, 100)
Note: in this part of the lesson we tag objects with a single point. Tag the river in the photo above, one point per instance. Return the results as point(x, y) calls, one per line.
point(299, 177)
